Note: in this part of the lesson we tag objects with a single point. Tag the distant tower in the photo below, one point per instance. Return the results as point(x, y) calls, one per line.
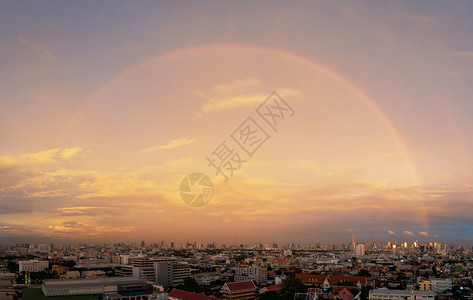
point(353, 245)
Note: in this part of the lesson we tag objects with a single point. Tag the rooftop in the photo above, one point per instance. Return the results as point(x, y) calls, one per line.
point(54, 283)
point(244, 285)
point(401, 292)
point(184, 295)
point(37, 294)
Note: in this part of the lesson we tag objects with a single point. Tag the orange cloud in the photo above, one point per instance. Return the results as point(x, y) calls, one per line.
point(40, 158)
point(71, 152)
point(171, 145)
point(239, 93)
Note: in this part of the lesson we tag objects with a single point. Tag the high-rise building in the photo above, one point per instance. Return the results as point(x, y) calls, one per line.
point(43, 248)
point(360, 249)
point(142, 268)
point(168, 273)
point(242, 273)
point(353, 245)
point(258, 273)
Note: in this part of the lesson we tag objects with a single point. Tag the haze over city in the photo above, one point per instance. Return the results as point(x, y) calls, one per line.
point(105, 107)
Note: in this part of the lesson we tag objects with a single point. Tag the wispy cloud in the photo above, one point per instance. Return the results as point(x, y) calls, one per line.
point(71, 152)
point(227, 103)
point(407, 232)
point(40, 158)
point(418, 18)
point(464, 54)
point(26, 46)
point(423, 233)
point(231, 95)
point(237, 85)
point(171, 144)
point(391, 232)
point(238, 93)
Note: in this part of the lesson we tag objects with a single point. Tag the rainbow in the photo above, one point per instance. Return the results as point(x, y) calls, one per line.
point(222, 47)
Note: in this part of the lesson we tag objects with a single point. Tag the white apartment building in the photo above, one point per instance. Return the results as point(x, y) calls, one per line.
point(385, 294)
point(33, 265)
point(242, 273)
point(254, 272)
point(163, 270)
point(170, 273)
point(438, 285)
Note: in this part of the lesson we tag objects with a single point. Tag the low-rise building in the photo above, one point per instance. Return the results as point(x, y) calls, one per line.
point(176, 294)
point(60, 270)
point(239, 290)
point(425, 285)
point(33, 265)
point(385, 294)
point(439, 285)
point(272, 288)
point(108, 288)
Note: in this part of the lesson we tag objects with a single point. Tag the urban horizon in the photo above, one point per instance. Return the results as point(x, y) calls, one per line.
point(236, 122)
point(183, 244)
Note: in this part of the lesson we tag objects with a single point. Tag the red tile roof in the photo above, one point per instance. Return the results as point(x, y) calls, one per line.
point(312, 278)
point(333, 279)
point(183, 295)
point(341, 288)
point(244, 285)
point(275, 287)
point(336, 279)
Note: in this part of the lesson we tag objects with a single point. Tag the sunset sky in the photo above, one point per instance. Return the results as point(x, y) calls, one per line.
point(106, 106)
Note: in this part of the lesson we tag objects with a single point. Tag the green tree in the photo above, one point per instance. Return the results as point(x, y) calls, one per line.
point(217, 282)
point(13, 267)
point(70, 263)
point(271, 295)
point(190, 285)
point(365, 291)
point(354, 291)
point(364, 272)
point(292, 286)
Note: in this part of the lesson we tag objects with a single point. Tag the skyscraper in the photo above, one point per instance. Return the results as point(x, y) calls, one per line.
point(353, 245)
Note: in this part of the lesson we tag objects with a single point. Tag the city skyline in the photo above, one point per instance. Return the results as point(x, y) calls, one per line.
point(374, 246)
point(106, 108)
